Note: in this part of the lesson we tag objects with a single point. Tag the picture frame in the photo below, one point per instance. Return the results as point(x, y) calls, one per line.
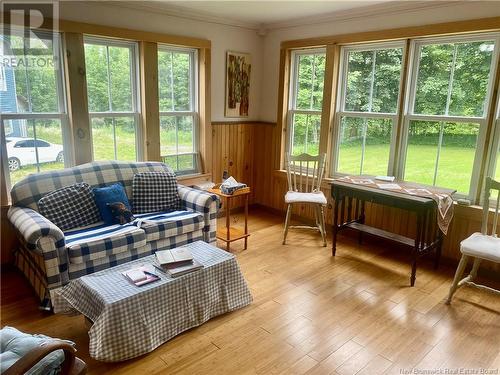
point(237, 93)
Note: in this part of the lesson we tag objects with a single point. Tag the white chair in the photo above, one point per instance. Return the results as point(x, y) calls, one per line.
point(479, 246)
point(305, 173)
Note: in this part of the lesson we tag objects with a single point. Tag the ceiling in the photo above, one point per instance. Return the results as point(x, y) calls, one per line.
point(265, 12)
point(255, 14)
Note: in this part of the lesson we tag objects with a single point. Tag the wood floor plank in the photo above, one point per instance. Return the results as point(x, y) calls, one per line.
point(312, 314)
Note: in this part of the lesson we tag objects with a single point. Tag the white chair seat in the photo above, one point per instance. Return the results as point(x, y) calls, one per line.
point(481, 246)
point(298, 197)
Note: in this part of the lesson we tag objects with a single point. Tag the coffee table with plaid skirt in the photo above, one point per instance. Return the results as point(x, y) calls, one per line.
point(129, 321)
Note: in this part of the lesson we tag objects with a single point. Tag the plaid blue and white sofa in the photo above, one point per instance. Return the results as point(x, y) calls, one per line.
point(50, 258)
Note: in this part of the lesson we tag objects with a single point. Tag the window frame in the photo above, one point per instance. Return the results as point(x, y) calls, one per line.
point(341, 97)
point(494, 149)
point(135, 85)
point(62, 115)
point(194, 111)
point(293, 90)
point(416, 45)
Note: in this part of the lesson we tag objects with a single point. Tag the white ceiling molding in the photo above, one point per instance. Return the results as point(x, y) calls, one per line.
point(390, 7)
point(187, 13)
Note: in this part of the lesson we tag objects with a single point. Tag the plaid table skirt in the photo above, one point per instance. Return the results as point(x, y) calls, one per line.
point(129, 321)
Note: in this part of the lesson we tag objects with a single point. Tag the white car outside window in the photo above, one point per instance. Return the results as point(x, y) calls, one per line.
point(22, 152)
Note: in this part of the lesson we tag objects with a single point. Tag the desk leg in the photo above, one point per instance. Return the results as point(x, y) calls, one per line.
point(416, 249)
point(361, 220)
point(335, 225)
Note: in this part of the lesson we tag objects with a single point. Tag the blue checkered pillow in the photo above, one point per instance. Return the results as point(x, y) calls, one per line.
point(70, 207)
point(154, 192)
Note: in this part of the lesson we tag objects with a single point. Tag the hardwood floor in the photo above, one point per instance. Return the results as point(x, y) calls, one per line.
point(314, 314)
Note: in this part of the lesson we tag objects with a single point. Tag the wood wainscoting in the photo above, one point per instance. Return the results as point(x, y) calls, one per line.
point(244, 149)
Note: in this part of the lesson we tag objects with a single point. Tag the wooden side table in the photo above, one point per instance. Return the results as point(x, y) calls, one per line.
point(228, 233)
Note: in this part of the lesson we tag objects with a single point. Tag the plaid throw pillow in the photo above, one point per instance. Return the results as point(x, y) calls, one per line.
point(70, 207)
point(154, 192)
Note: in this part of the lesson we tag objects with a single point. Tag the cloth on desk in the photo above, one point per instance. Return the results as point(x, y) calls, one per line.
point(443, 198)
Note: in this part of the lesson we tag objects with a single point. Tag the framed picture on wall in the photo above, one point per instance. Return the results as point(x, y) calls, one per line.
point(238, 68)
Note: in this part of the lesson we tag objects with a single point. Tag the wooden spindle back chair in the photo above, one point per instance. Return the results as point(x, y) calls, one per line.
point(480, 246)
point(304, 175)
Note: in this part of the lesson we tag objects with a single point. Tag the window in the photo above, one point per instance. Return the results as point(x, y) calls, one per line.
point(306, 101)
point(111, 67)
point(33, 105)
point(368, 105)
point(449, 93)
point(177, 89)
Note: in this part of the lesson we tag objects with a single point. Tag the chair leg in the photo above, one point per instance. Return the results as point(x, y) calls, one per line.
point(287, 221)
point(322, 223)
point(458, 275)
point(475, 267)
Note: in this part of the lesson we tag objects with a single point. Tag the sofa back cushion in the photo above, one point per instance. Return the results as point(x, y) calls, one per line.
point(70, 207)
point(154, 192)
point(27, 192)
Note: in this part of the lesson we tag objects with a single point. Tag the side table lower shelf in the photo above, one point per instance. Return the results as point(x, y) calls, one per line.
point(235, 234)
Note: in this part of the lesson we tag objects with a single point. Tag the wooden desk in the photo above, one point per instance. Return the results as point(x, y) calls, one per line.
point(228, 233)
point(349, 212)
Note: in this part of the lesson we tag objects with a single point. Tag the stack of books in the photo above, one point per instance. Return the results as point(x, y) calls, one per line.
point(177, 262)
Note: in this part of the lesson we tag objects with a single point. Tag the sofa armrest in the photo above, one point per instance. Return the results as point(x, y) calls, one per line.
point(205, 203)
point(40, 234)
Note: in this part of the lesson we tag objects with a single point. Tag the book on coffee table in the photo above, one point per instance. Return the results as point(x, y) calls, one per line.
point(184, 269)
point(174, 257)
point(140, 275)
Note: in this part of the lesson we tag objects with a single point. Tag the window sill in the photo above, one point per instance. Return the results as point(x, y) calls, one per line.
point(195, 178)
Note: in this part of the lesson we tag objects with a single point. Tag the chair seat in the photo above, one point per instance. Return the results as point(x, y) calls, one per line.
point(298, 197)
point(482, 246)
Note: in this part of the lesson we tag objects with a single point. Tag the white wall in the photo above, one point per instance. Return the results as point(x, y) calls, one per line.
point(223, 38)
point(439, 13)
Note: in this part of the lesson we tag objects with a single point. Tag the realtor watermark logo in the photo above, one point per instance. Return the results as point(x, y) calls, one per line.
point(29, 34)
point(449, 371)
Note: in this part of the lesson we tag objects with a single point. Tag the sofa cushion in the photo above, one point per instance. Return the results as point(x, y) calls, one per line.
point(70, 207)
point(16, 344)
point(168, 224)
point(154, 192)
point(103, 240)
point(107, 195)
